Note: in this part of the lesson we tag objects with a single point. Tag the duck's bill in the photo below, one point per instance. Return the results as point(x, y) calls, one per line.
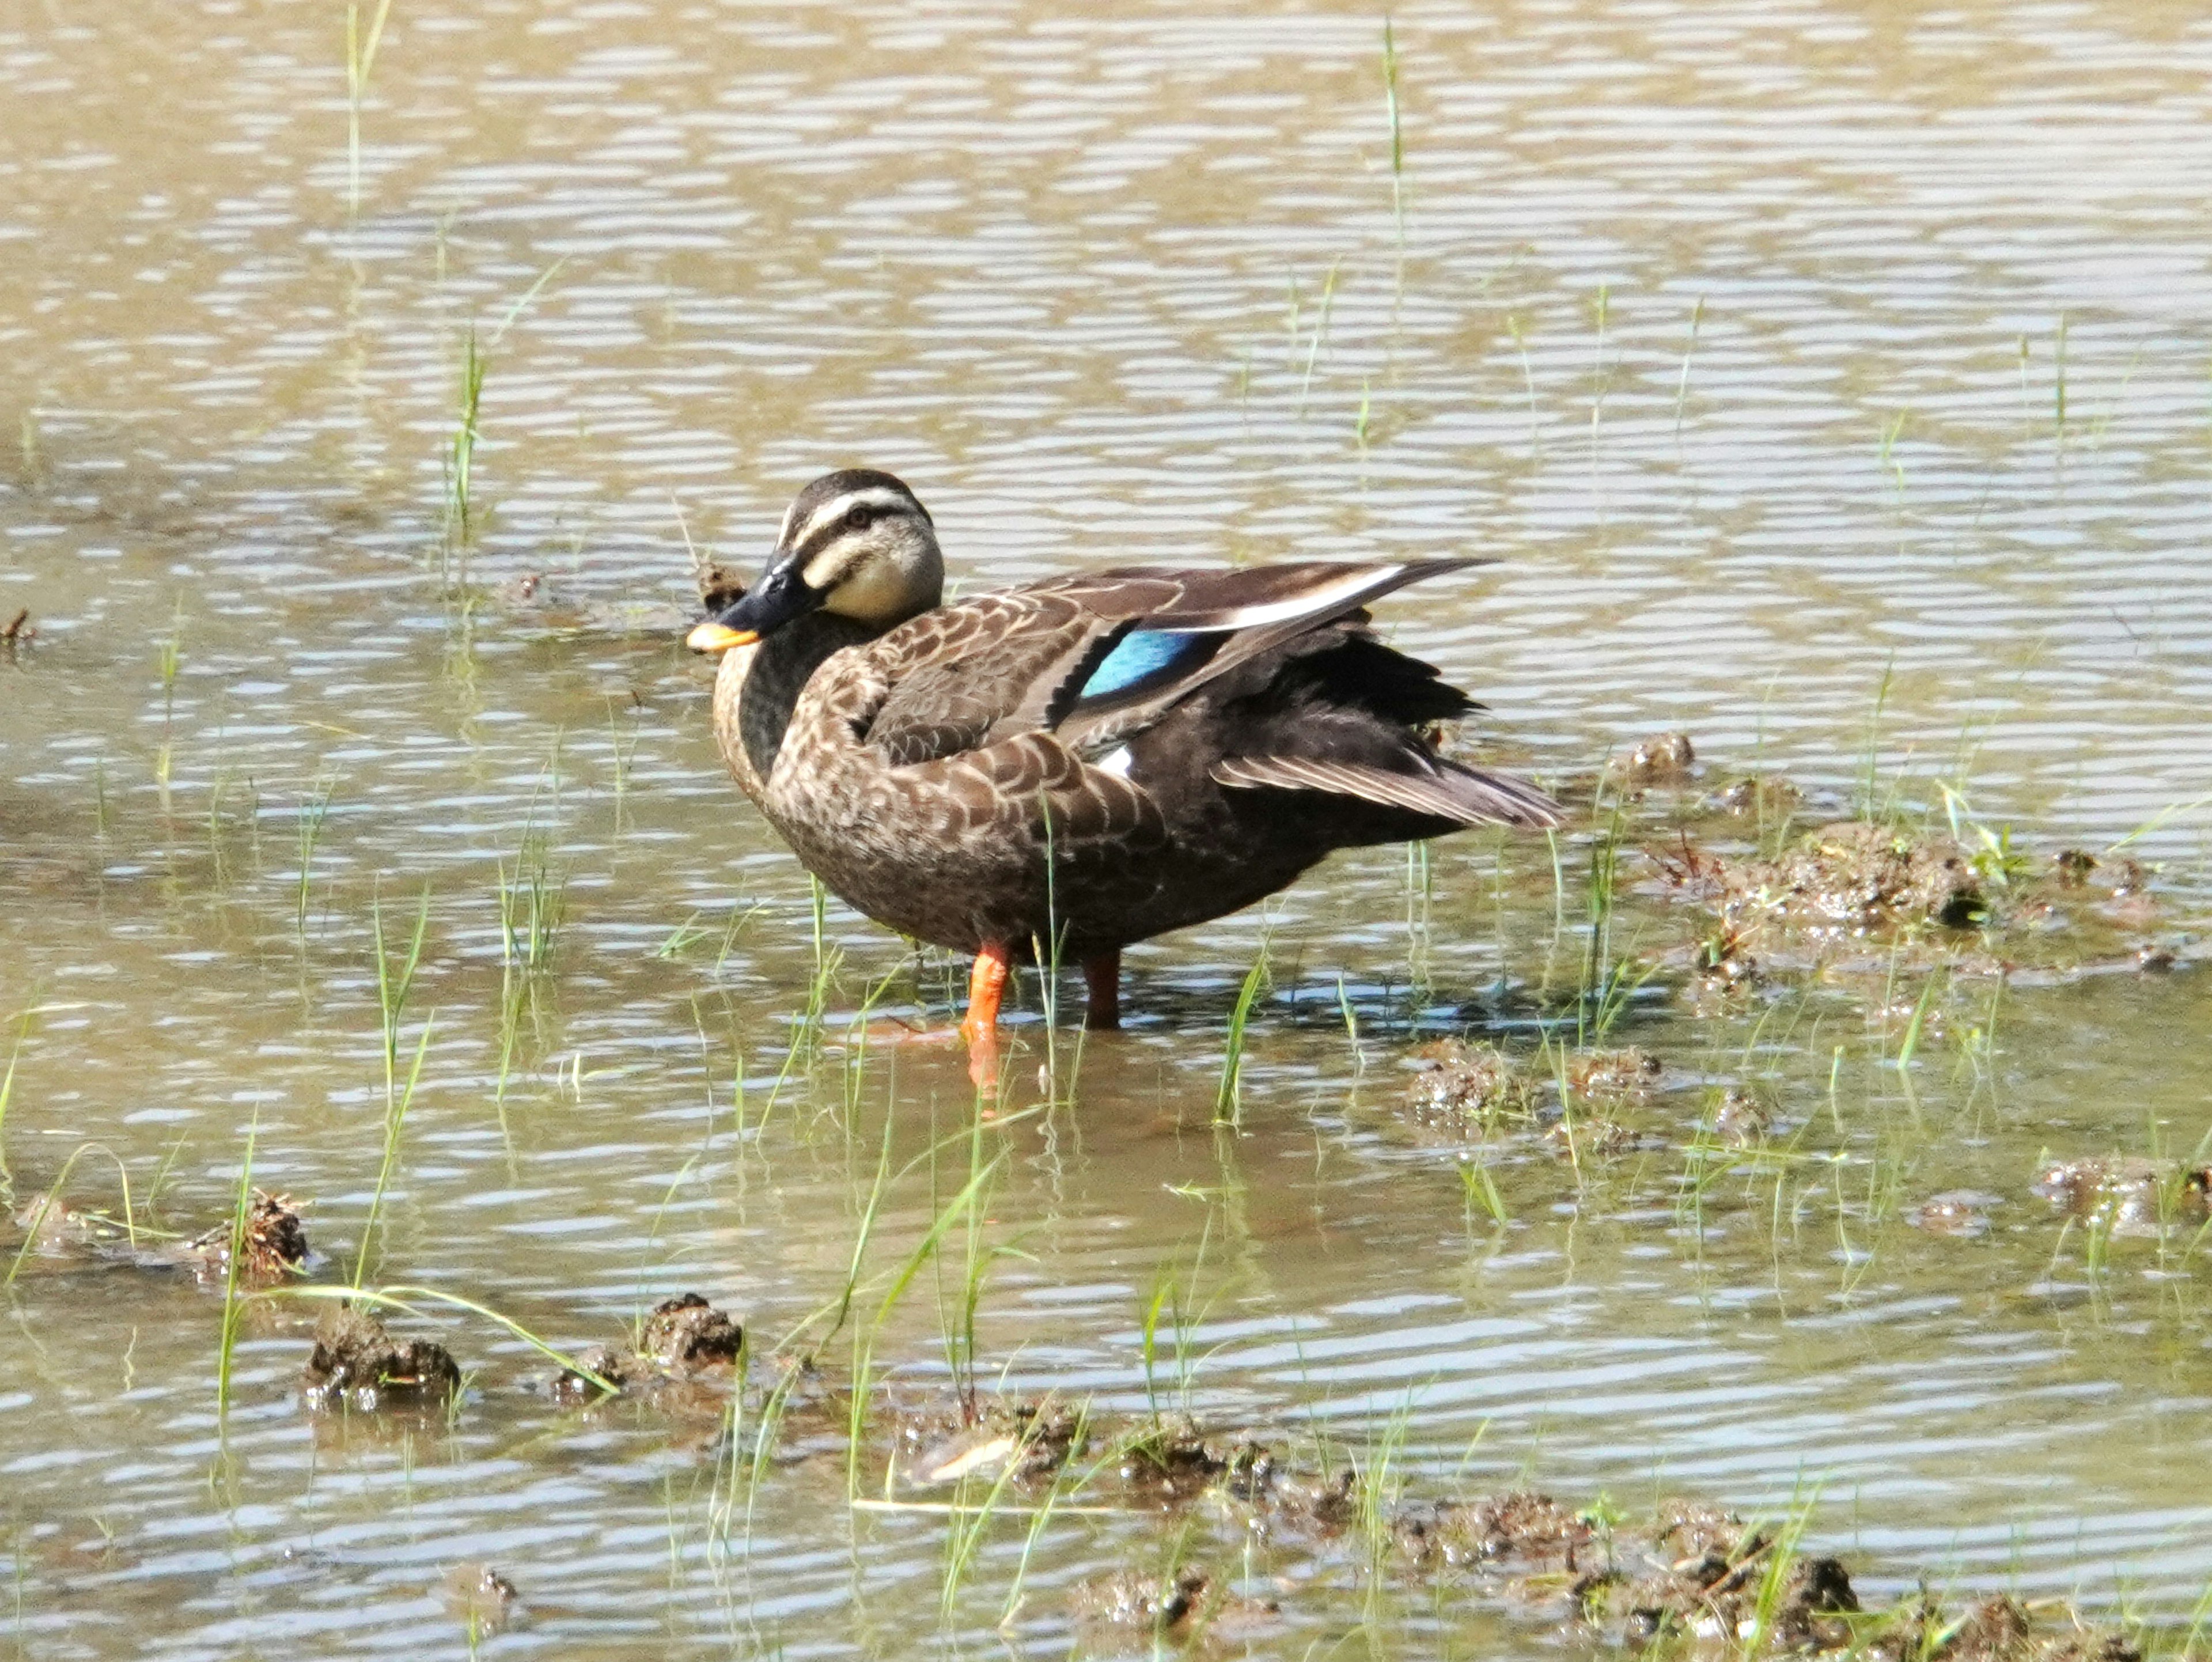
point(713, 636)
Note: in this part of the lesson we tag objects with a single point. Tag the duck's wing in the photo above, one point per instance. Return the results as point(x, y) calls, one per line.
point(1104, 653)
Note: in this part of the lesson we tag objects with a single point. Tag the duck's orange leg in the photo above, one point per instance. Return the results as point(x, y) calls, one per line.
point(1102, 981)
point(987, 986)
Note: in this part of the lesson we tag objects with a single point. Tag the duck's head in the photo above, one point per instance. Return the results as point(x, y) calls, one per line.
point(856, 543)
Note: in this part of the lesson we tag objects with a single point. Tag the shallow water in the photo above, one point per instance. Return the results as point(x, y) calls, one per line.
point(1919, 498)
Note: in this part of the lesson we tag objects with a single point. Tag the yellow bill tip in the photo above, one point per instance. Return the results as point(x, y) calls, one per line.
point(711, 637)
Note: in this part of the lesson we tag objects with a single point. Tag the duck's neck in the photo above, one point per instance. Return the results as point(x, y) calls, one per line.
point(779, 672)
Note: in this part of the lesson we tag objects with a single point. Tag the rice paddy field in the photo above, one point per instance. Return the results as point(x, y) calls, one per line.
point(1768, 1214)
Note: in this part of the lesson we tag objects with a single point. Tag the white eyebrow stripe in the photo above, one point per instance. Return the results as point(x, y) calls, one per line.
point(837, 508)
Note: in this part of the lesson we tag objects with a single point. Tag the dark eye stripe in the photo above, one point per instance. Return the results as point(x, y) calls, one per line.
point(816, 540)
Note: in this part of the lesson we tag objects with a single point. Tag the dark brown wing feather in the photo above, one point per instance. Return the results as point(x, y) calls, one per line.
point(1434, 786)
point(979, 671)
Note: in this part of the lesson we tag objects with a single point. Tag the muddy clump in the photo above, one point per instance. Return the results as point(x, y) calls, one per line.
point(1997, 1629)
point(1467, 1088)
point(1597, 1138)
point(685, 1334)
point(2128, 1194)
point(1741, 1120)
point(1711, 1574)
point(982, 1439)
point(1960, 1214)
point(357, 1364)
point(54, 1227)
point(1622, 1076)
point(1761, 799)
point(1529, 1531)
point(479, 1598)
point(1176, 1606)
point(682, 1341)
point(271, 1246)
point(1177, 1463)
point(1854, 878)
point(1663, 761)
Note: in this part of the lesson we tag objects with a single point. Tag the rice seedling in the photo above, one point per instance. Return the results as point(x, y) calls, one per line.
point(1528, 373)
point(1179, 1304)
point(1395, 112)
point(308, 825)
point(394, 984)
point(236, 1254)
point(2158, 821)
point(1479, 1189)
point(530, 905)
point(1781, 1561)
point(2058, 382)
point(461, 447)
point(1350, 1026)
point(361, 59)
point(966, 1526)
point(1320, 333)
point(1380, 1483)
point(1599, 373)
point(681, 936)
point(395, 1119)
point(7, 1095)
point(623, 751)
point(1063, 1483)
point(1600, 892)
point(1420, 905)
point(1228, 1098)
point(1891, 431)
point(34, 1219)
point(169, 658)
point(467, 434)
point(1682, 385)
point(1917, 1023)
point(1868, 801)
point(957, 1324)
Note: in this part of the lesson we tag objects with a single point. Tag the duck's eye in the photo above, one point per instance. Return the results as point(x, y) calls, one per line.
point(860, 518)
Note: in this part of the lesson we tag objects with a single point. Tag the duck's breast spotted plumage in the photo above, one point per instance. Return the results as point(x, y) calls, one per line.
point(928, 823)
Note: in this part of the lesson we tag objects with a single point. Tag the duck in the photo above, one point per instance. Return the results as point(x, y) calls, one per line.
point(1057, 770)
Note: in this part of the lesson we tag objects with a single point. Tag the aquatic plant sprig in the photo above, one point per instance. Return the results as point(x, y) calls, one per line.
point(7, 1094)
point(241, 1208)
point(1228, 1096)
point(315, 808)
point(52, 1198)
point(467, 434)
point(1394, 108)
point(361, 46)
point(392, 987)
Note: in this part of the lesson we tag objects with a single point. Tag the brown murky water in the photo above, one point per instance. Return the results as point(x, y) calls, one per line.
point(1836, 383)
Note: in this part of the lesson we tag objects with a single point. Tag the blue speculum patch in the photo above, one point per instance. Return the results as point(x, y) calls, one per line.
point(1139, 656)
